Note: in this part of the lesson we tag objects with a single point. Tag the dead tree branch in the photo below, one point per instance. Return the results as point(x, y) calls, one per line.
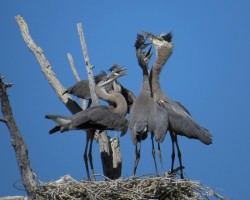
point(71, 61)
point(17, 142)
point(59, 89)
point(47, 68)
point(111, 165)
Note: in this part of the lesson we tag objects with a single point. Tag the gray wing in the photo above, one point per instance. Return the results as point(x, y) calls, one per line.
point(100, 117)
point(80, 89)
point(182, 106)
point(161, 123)
point(138, 117)
point(129, 96)
point(183, 124)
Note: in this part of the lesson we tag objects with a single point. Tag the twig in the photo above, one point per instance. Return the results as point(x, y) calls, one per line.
point(46, 67)
point(71, 61)
point(3, 120)
point(88, 65)
point(106, 152)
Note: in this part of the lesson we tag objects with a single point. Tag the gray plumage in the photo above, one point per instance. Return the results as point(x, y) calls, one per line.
point(180, 120)
point(144, 111)
point(119, 88)
point(100, 117)
point(81, 88)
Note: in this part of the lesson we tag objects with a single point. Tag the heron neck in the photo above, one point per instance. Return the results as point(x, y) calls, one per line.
point(155, 84)
point(146, 84)
point(114, 98)
point(163, 54)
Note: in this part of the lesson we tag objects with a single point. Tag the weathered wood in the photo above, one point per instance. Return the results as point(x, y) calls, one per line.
point(108, 160)
point(47, 68)
point(89, 67)
point(59, 89)
point(17, 142)
point(71, 61)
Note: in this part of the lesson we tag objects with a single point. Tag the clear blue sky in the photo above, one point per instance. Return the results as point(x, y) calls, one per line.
point(209, 72)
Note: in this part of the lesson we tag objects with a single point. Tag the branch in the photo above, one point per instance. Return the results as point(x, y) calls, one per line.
point(46, 67)
point(3, 120)
point(17, 142)
point(71, 61)
point(111, 165)
point(89, 67)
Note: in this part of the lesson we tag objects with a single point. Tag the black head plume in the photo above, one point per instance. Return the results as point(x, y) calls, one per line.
point(100, 77)
point(167, 37)
point(114, 67)
point(139, 41)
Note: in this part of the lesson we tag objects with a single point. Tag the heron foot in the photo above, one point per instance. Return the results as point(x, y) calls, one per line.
point(173, 173)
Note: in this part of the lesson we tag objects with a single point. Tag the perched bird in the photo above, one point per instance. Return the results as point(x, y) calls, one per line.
point(145, 115)
point(99, 117)
point(180, 120)
point(81, 88)
point(119, 88)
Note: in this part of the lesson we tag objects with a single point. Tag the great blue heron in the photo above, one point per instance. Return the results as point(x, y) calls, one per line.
point(81, 90)
point(180, 121)
point(99, 117)
point(144, 111)
point(119, 88)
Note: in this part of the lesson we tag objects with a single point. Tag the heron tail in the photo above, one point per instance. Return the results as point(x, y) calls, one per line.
point(205, 136)
point(62, 123)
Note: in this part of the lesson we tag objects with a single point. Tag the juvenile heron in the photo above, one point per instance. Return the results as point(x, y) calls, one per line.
point(81, 88)
point(118, 87)
point(99, 117)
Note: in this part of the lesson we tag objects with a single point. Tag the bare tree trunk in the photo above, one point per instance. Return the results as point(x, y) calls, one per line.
point(111, 165)
point(17, 142)
point(67, 99)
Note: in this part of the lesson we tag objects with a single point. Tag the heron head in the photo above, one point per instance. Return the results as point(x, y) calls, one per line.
point(116, 69)
point(162, 39)
point(108, 81)
point(100, 77)
point(140, 42)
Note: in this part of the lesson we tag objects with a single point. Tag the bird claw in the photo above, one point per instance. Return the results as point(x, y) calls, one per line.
point(174, 172)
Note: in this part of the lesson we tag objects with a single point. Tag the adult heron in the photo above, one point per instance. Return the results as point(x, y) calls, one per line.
point(180, 120)
point(145, 114)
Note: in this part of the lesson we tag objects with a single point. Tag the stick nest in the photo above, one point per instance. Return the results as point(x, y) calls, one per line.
point(125, 188)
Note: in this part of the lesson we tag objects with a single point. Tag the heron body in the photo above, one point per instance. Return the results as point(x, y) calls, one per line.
point(81, 89)
point(99, 117)
point(119, 88)
point(144, 111)
point(180, 120)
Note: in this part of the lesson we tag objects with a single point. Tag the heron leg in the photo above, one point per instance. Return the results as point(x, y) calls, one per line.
point(153, 153)
point(159, 154)
point(85, 156)
point(137, 156)
point(172, 134)
point(89, 103)
point(90, 156)
point(179, 156)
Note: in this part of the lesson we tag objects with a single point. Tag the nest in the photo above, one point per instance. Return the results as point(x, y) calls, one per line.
point(125, 188)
